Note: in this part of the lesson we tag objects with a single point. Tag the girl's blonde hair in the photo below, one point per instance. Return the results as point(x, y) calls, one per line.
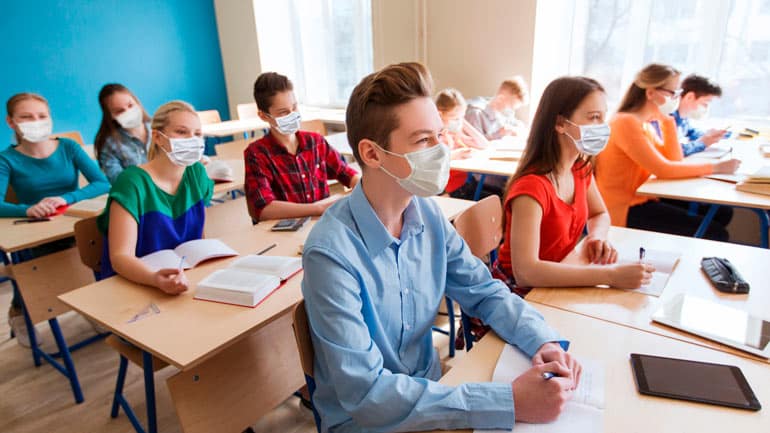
point(160, 120)
point(652, 76)
point(449, 99)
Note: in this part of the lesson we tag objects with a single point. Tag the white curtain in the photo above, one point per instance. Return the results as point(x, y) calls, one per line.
point(610, 40)
point(323, 46)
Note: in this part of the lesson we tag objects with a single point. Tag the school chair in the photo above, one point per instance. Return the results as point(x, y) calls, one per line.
point(481, 226)
point(90, 243)
point(208, 117)
point(72, 135)
point(315, 125)
point(306, 354)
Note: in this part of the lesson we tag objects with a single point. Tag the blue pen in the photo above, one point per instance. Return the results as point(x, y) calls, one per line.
point(548, 375)
point(641, 254)
point(180, 263)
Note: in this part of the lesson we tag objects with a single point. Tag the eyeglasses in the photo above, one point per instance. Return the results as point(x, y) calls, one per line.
point(674, 93)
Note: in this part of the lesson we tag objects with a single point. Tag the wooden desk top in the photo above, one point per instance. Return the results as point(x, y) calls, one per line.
point(625, 409)
point(187, 331)
point(18, 237)
point(501, 158)
point(713, 191)
point(635, 309)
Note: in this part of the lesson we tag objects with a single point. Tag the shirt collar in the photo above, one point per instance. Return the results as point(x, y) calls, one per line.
point(125, 133)
point(374, 234)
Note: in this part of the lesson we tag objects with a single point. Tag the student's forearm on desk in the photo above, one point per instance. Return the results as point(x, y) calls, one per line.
point(278, 209)
point(130, 267)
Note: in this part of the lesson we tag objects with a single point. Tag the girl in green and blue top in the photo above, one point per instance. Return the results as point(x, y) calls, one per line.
point(160, 204)
point(124, 134)
point(43, 172)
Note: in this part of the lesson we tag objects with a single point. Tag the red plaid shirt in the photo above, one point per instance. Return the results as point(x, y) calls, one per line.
point(272, 173)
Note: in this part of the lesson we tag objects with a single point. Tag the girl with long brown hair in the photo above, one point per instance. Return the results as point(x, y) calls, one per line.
point(553, 196)
point(124, 134)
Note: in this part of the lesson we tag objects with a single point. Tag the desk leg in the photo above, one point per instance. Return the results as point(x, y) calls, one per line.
point(32, 334)
point(706, 221)
point(69, 366)
point(149, 392)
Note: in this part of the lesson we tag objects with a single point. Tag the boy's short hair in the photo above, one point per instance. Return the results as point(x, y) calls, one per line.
point(517, 86)
point(267, 85)
point(701, 86)
point(370, 113)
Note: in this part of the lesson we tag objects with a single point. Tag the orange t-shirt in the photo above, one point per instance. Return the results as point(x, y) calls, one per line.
point(562, 223)
point(633, 153)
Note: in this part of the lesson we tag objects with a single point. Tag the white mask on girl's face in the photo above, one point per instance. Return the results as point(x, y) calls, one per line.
point(36, 131)
point(130, 118)
point(669, 105)
point(593, 137)
point(430, 170)
point(185, 151)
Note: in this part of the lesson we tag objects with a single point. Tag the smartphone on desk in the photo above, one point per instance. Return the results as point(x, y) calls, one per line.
point(290, 225)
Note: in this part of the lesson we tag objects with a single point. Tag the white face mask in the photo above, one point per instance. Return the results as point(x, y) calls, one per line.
point(669, 105)
point(455, 125)
point(288, 124)
point(36, 131)
point(185, 151)
point(701, 112)
point(430, 170)
point(593, 138)
point(130, 118)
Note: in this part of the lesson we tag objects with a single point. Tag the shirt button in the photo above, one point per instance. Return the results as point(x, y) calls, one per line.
point(307, 195)
point(407, 327)
point(303, 176)
point(406, 291)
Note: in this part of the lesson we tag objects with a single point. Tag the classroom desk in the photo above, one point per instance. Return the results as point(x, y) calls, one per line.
point(235, 363)
point(333, 116)
point(625, 409)
point(17, 237)
point(233, 127)
point(632, 309)
point(716, 192)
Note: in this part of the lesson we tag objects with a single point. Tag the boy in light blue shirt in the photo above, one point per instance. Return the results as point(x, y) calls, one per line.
point(697, 93)
point(377, 266)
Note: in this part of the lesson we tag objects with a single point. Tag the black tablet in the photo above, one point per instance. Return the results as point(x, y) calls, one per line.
point(290, 225)
point(702, 382)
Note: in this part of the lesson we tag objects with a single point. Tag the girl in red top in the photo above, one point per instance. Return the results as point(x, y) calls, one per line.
point(460, 137)
point(553, 196)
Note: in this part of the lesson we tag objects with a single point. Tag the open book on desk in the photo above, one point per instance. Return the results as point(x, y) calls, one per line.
point(189, 254)
point(584, 413)
point(248, 280)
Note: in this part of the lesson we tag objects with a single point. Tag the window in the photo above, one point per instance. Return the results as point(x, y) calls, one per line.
point(323, 46)
point(610, 40)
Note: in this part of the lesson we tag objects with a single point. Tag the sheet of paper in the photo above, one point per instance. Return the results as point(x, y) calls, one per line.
point(664, 261)
point(584, 413)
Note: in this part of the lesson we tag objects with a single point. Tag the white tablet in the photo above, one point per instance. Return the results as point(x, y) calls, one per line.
point(729, 326)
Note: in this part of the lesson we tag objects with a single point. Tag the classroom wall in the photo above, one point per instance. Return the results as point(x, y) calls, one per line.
point(236, 24)
point(67, 49)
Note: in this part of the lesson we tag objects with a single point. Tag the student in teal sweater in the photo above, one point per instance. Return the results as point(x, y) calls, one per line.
point(43, 173)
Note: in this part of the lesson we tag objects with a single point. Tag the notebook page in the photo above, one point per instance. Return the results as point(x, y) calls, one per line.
point(164, 259)
point(199, 250)
point(584, 413)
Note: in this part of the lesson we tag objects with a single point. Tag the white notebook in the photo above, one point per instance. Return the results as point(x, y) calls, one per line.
point(664, 261)
point(583, 414)
point(248, 280)
point(193, 252)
